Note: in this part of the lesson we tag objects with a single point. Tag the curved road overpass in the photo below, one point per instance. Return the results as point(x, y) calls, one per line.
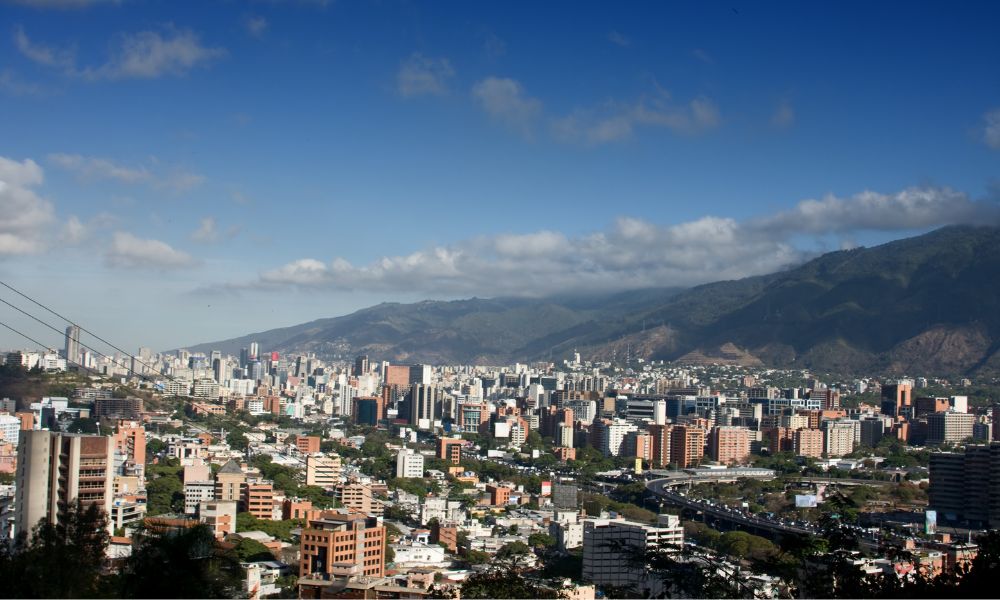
point(662, 489)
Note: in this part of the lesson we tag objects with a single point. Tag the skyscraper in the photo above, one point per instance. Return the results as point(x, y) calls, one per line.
point(72, 346)
point(56, 469)
point(361, 365)
point(424, 402)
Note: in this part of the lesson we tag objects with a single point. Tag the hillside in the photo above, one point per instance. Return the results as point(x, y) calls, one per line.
point(928, 304)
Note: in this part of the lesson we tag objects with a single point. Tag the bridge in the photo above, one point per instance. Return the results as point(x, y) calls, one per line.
point(711, 475)
point(726, 517)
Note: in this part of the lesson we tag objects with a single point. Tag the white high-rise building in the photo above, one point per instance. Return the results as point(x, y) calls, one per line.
point(564, 435)
point(72, 347)
point(614, 435)
point(10, 428)
point(409, 463)
point(604, 559)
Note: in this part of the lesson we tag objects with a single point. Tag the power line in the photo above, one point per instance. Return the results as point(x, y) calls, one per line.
point(83, 329)
point(113, 361)
point(53, 328)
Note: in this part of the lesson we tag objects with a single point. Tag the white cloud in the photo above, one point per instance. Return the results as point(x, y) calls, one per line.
point(92, 168)
point(784, 115)
point(75, 232)
point(504, 99)
point(618, 39)
point(615, 121)
point(909, 209)
point(419, 75)
point(991, 131)
point(141, 55)
point(129, 251)
point(631, 253)
point(206, 231)
point(148, 54)
point(44, 55)
point(24, 215)
point(256, 26)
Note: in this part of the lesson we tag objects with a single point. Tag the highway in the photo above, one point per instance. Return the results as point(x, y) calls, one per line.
point(662, 488)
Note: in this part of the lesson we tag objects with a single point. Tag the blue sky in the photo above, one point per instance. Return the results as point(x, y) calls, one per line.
point(177, 172)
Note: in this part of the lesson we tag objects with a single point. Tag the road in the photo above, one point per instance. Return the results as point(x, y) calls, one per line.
point(662, 488)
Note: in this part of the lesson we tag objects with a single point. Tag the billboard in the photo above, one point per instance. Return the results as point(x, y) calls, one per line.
point(805, 501)
point(930, 522)
point(546, 488)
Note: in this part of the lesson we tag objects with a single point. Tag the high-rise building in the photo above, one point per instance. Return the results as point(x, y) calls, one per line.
point(420, 374)
point(361, 365)
point(949, 427)
point(660, 435)
point(229, 482)
point(613, 435)
point(729, 444)
point(357, 496)
point(425, 403)
point(409, 463)
point(396, 375)
point(196, 492)
point(808, 442)
point(564, 435)
point(55, 470)
point(897, 399)
point(872, 431)
point(307, 444)
point(965, 485)
point(471, 415)
point(10, 428)
point(343, 546)
point(72, 345)
point(130, 440)
point(687, 445)
point(450, 449)
point(119, 408)
point(607, 543)
point(838, 437)
point(565, 495)
point(322, 470)
point(367, 410)
point(257, 498)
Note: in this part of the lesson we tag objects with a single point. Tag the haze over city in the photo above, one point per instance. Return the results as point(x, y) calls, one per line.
point(190, 175)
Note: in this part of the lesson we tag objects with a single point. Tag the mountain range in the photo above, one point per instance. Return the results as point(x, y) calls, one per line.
point(928, 304)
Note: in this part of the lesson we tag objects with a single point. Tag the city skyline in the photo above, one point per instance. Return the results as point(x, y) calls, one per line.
point(170, 178)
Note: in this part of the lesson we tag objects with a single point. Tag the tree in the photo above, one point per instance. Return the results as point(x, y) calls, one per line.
point(476, 557)
point(541, 540)
point(184, 564)
point(278, 529)
point(61, 560)
point(513, 551)
point(250, 550)
point(165, 494)
point(154, 447)
point(504, 582)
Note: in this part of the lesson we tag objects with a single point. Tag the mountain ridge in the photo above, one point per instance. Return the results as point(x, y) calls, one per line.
point(928, 302)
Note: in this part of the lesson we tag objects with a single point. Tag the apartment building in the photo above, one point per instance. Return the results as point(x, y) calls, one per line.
point(343, 545)
point(56, 469)
point(607, 543)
